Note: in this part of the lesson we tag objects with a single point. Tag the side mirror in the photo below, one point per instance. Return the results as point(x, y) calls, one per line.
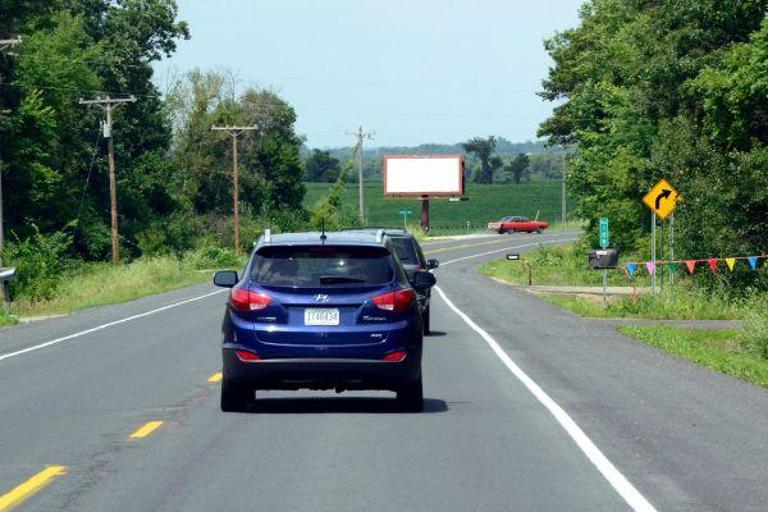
point(423, 280)
point(225, 278)
point(432, 264)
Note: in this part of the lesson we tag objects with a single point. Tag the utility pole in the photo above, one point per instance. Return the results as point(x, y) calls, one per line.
point(563, 206)
point(360, 136)
point(108, 104)
point(234, 132)
point(4, 45)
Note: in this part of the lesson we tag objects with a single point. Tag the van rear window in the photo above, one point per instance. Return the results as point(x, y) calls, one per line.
point(321, 266)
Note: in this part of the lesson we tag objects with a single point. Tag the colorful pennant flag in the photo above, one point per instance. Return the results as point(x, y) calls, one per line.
point(691, 264)
point(753, 262)
point(673, 266)
point(712, 262)
point(631, 268)
point(650, 266)
point(731, 262)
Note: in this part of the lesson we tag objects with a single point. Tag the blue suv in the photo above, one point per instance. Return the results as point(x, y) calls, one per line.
point(322, 311)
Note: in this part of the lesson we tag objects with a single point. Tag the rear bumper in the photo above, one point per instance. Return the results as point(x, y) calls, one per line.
point(321, 373)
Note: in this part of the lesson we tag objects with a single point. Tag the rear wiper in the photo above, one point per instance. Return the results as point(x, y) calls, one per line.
point(340, 279)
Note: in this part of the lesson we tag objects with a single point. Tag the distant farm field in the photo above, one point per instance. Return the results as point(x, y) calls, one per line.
point(486, 202)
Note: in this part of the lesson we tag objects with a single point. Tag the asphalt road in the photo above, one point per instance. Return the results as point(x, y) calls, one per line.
point(528, 408)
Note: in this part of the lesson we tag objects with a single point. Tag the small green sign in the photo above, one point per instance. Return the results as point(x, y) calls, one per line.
point(605, 238)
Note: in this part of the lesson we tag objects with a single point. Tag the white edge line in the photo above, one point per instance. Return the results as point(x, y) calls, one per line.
point(541, 242)
point(617, 480)
point(105, 326)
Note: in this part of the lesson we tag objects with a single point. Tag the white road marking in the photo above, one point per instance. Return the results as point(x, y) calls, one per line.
point(619, 482)
point(559, 241)
point(105, 326)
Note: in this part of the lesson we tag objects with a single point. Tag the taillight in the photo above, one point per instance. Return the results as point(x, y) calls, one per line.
point(398, 301)
point(246, 356)
point(246, 300)
point(395, 357)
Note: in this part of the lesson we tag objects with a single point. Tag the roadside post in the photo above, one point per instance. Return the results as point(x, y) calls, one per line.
point(405, 212)
point(662, 201)
point(516, 257)
point(604, 242)
point(671, 247)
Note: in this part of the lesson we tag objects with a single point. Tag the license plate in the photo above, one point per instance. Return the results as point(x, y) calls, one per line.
point(321, 316)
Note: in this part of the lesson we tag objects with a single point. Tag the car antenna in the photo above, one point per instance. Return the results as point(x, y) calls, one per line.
point(323, 237)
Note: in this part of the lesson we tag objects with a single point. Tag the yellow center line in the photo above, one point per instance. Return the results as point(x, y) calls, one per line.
point(216, 377)
point(15, 497)
point(147, 429)
point(466, 246)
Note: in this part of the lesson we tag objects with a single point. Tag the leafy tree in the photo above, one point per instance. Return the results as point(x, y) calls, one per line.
point(321, 166)
point(74, 49)
point(270, 165)
point(483, 149)
point(519, 168)
point(669, 89)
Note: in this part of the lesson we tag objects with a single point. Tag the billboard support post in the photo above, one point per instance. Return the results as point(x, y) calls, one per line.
point(425, 213)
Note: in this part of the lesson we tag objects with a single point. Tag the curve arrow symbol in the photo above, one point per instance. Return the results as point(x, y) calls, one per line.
point(664, 194)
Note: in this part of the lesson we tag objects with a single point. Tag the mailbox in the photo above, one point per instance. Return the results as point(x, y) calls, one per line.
point(603, 258)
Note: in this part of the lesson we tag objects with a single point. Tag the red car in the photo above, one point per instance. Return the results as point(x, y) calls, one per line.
point(518, 224)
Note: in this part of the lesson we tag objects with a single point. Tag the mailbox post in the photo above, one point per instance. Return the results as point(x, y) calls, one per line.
point(604, 259)
point(6, 274)
point(516, 257)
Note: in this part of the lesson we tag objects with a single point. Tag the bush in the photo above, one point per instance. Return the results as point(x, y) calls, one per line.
point(754, 335)
point(211, 257)
point(40, 261)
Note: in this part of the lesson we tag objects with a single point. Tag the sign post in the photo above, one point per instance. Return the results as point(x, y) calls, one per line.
point(405, 212)
point(605, 240)
point(662, 200)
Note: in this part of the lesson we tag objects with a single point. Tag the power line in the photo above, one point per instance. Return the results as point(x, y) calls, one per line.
point(108, 104)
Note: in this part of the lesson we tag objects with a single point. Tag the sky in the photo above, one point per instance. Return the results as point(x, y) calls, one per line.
point(413, 72)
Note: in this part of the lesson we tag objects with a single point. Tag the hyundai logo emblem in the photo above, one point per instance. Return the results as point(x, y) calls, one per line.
point(321, 297)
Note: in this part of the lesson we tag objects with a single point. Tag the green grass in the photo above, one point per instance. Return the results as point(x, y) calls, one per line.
point(563, 265)
point(566, 265)
point(719, 350)
point(486, 203)
point(679, 305)
point(6, 318)
point(98, 284)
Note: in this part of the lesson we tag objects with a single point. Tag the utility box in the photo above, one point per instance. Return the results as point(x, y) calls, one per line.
point(603, 258)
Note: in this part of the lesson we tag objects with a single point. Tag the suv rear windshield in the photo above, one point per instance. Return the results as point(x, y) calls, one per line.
point(320, 266)
point(405, 250)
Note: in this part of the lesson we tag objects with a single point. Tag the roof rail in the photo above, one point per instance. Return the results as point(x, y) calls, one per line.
point(379, 236)
point(267, 236)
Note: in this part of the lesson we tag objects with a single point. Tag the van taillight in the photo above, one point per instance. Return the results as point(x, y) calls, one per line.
point(246, 300)
point(398, 301)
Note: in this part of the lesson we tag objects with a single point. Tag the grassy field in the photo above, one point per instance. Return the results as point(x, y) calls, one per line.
point(720, 350)
point(486, 202)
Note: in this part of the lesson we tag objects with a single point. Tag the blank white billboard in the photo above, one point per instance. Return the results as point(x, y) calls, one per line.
point(435, 175)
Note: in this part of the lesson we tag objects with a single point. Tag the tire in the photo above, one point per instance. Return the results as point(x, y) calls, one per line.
point(501, 231)
point(539, 231)
point(410, 398)
point(425, 321)
point(235, 397)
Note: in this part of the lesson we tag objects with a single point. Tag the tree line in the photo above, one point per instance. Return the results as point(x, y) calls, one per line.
point(173, 173)
point(673, 89)
point(489, 160)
